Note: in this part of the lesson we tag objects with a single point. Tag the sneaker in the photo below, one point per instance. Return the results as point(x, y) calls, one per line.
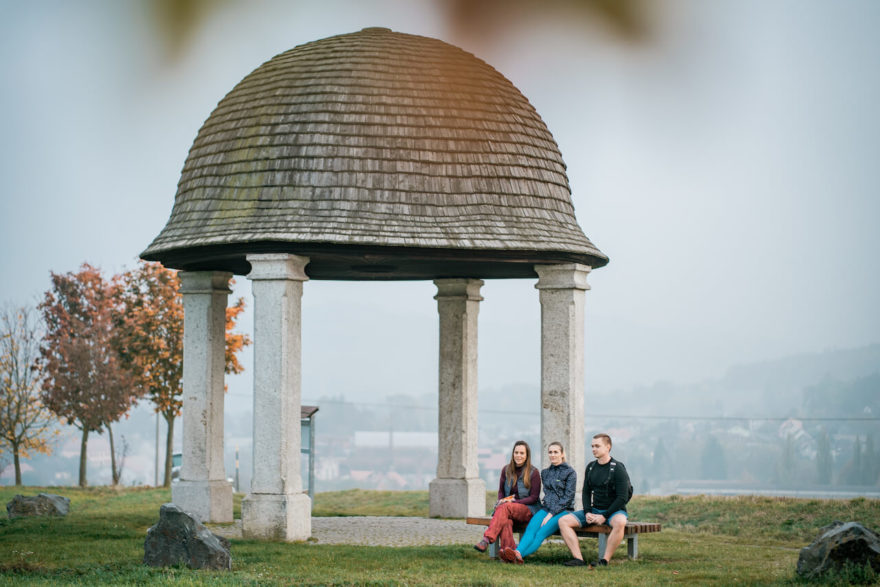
point(507, 555)
point(481, 546)
point(517, 557)
point(575, 562)
point(599, 563)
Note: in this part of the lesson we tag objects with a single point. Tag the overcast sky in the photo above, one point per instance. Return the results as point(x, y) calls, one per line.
point(727, 164)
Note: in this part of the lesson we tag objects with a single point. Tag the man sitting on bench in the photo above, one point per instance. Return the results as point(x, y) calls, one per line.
point(606, 491)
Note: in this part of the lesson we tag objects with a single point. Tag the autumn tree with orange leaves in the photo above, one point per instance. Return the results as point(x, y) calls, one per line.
point(152, 341)
point(85, 382)
point(25, 424)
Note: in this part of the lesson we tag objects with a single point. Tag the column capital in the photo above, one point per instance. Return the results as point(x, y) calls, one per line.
point(563, 276)
point(277, 266)
point(459, 288)
point(208, 282)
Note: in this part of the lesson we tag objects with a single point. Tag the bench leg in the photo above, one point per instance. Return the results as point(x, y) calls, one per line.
point(632, 546)
point(493, 547)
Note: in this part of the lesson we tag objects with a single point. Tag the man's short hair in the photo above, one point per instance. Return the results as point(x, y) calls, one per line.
point(605, 438)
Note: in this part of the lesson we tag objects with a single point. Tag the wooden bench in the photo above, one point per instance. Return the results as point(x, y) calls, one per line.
point(631, 534)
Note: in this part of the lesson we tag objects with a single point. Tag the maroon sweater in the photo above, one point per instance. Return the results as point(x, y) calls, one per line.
point(534, 489)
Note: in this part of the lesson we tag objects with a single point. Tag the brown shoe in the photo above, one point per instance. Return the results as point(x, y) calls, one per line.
point(481, 546)
point(518, 559)
point(507, 555)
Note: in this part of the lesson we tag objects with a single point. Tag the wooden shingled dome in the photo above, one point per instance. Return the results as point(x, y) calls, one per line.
point(379, 155)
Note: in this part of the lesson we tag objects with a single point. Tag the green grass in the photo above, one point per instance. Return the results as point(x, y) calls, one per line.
point(773, 519)
point(721, 541)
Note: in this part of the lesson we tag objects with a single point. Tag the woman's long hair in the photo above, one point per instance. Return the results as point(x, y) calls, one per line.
point(510, 472)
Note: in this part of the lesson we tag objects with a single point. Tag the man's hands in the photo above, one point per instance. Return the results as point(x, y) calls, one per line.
point(594, 518)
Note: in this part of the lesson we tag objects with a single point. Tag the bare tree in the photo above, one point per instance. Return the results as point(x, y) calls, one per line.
point(25, 424)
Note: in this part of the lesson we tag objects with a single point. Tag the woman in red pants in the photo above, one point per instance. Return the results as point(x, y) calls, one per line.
point(519, 491)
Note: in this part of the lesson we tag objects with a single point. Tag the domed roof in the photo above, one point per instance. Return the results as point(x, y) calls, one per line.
point(380, 155)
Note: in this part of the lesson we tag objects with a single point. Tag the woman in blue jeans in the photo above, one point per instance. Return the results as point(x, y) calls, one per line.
point(559, 481)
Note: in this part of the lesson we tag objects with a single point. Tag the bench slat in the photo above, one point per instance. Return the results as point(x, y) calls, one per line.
point(592, 530)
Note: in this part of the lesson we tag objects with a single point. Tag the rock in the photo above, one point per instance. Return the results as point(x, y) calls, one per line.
point(179, 537)
point(838, 543)
point(44, 504)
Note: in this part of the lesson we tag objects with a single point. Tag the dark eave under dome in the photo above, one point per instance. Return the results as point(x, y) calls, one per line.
point(379, 155)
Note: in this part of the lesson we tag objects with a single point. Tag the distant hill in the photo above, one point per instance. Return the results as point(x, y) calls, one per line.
point(798, 385)
point(798, 371)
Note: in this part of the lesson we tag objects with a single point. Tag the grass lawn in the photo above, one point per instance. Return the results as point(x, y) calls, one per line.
point(705, 541)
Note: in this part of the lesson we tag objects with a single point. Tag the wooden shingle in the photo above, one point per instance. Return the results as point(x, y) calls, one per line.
point(375, 145)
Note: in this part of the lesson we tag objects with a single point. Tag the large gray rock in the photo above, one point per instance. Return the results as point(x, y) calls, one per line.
point(837, 544)
point(44, 504)
point(179, 538)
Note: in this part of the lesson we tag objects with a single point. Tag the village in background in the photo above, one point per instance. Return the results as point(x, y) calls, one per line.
point(807, 425)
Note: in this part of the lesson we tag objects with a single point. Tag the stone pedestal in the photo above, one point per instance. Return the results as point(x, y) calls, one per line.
point(457, 498)
point(276, 508)
point(562, 290)
point(203, 490)
point(457, 491)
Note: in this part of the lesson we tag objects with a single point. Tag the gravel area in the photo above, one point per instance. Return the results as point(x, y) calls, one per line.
point(381, 531)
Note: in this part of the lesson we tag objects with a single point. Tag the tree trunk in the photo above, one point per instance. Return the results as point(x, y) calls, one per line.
point(169, 447)
point(15, 459)
point(83, 450)
point(114, 471)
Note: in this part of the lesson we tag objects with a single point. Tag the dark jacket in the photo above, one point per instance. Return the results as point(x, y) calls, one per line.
point(609, 495)
point(560, 483)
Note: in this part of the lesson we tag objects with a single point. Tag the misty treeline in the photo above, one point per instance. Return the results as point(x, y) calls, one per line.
point(92, 348)
point(823, 434)
point(792, 455)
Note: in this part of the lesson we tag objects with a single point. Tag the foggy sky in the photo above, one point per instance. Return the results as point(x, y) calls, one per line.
point(727, 165)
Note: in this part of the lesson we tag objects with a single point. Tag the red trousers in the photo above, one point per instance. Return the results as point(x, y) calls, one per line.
point(502, 523)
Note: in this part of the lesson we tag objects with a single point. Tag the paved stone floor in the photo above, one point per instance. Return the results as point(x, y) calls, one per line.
point(381, 531)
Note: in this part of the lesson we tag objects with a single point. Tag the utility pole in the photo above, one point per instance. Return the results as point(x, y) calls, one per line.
point(156, 483)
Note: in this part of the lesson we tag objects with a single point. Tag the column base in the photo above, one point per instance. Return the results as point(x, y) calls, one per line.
point(457, 498)
point(276, 516)
point(209, 501)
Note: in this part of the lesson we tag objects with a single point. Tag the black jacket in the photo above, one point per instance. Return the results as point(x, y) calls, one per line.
point(607, 494)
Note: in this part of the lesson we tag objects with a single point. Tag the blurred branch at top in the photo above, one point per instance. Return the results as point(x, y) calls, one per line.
point(625, 20)
point(177, 21)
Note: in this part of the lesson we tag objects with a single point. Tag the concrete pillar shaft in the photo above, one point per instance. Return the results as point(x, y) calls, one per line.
point(562, 290)
point(203, 490)
point(276, 507)
point(458, 491)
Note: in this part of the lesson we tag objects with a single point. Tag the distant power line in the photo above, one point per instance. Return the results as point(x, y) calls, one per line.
point(620, 416)
point(743, 418)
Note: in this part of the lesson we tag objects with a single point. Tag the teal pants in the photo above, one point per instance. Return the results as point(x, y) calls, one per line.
point(535, 533)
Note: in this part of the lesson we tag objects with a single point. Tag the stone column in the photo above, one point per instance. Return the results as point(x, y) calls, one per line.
point(276, 507)
point(562, 290)
point(458, 491)
point(203, 489)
